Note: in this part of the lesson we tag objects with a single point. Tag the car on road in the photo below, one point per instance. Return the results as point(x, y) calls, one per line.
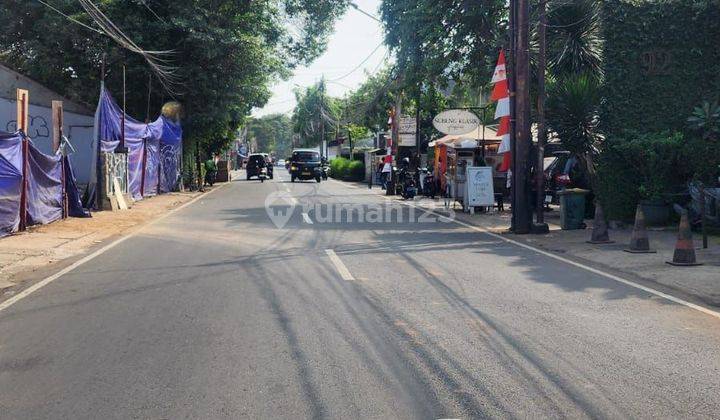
point(280, 162)
point(305, 164)
point(256, 162)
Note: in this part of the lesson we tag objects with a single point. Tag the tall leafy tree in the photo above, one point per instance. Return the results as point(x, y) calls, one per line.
point(316, 116)
point(272, 133)
point(225, 52)
point(447, 39)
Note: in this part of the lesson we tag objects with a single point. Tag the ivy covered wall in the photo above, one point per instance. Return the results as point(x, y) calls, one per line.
point(662, 58)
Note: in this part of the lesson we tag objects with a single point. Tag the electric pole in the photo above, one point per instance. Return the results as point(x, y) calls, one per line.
point(542, 130)
point(520, 205)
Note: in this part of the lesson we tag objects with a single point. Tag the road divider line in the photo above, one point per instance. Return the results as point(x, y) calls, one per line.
point(307, 218)
point(339, 265)
point(607, 275)
point(47, 280)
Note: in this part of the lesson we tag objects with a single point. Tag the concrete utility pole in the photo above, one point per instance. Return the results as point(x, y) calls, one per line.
point(521, 208)
point(542, 130)
point(510, 71)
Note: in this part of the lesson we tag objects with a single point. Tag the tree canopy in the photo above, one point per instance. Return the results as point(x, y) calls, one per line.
point(440, 40)
point(225, 53)
point(272, 133)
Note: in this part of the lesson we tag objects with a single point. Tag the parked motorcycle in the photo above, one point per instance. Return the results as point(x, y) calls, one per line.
point(427, 182)
point(324, 169)
point(406, 183)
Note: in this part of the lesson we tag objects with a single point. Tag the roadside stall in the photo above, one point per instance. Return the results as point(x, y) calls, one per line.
point(461, 154)
point(373, 160)
point(476, 147)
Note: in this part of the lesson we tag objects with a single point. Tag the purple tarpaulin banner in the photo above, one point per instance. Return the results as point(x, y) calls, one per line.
point(44, 184)
point(44, 187)
point(10, 182)
point(160, 142)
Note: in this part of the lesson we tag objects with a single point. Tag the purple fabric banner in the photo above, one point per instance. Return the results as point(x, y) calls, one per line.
point(44, 187)
point(10, 182)
point(44, 184)
point(161, 172)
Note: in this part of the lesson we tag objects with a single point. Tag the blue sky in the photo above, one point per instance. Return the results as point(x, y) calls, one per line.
point(354, 39)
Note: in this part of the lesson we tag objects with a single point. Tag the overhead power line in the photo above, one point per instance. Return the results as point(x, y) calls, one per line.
point(70, 18)
point(371, 16)
point(157, 60)
point(358, 66)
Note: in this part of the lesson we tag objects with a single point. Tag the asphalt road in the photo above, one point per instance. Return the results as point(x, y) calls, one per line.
point(214, 312)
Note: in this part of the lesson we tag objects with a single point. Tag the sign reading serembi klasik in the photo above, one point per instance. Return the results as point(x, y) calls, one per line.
point(456, 121)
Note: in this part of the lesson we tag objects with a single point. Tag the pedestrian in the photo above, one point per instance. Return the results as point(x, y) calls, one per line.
point(210, 171)
point(386, 171)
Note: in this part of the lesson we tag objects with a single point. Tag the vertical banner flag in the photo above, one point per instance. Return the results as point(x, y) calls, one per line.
point(501, 94)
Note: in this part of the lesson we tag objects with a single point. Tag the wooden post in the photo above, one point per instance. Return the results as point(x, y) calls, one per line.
point(57, 118)
point(23, 125)
point(121, 147)
point(22, 110)
point(57, 122)
point(144, 163)
point(703, 218)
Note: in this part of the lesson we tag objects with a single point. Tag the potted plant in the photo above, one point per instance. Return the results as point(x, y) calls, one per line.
point(658, 160)
point(654, 206)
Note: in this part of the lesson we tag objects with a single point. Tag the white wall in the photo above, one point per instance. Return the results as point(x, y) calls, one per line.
point(77, 128)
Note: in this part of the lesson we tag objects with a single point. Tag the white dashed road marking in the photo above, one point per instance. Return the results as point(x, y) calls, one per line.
point(307, 219)
point(339, 265)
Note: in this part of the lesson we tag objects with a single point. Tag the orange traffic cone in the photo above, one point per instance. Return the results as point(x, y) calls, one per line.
point(639, 241)
point(600, 233)
point(684, 248)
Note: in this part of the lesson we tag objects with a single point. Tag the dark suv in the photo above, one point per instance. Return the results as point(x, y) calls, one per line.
point(257, 161)
point(305, 164)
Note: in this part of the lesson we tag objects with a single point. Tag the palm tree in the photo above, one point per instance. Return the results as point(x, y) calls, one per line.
point(574, 37)
point(573, 113)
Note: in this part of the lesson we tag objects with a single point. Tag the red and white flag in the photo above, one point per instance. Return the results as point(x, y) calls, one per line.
point(499, 73)
point(501, 94)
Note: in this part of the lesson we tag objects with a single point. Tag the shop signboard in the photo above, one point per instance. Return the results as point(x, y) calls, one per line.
point(407, 140)
point(456, 121)
point(408, 125)
point(479, 184)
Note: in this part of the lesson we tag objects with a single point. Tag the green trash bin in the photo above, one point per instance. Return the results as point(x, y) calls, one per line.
point(572, 208)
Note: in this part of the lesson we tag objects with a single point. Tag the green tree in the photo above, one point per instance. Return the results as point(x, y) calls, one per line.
point(369, 104)
point(273, 133)
point(437, 41)
point(574, 38)
point(573, 113)
point(225, 53)
point(316, 115)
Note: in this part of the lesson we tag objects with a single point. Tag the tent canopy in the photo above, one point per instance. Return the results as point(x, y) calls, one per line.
point(461, 140)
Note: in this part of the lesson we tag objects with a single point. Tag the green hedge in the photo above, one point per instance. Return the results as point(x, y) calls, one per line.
point(640, 166)
point(346, 169)
point(661, 58)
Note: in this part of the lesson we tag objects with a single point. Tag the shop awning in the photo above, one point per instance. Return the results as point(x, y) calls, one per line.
point(458, 139)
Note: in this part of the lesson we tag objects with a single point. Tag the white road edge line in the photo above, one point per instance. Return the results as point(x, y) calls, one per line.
point(339, 265)
point(307, 218)
point(44, 282)
point(574, 263)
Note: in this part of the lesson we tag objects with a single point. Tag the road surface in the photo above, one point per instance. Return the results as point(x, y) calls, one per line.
point(215, 312)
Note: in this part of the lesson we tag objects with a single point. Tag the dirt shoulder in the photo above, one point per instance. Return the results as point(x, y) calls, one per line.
point(46, 248)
